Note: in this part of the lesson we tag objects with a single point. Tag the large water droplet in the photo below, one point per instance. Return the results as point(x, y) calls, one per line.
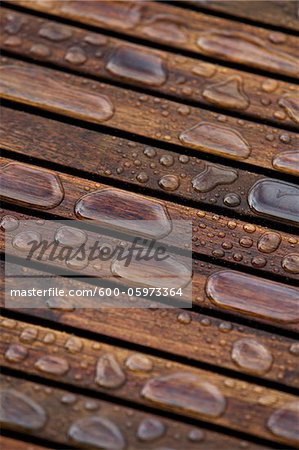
point(269, 242)
point(97, 432)
point(20, 83)
point(216, 139)
point(32, 186)
point(150, 429)
point(187, 392)
point(23, 241)
point(20, 411)
point(54, 365)
point(287, 162)
point(137, 65)
point(237, 292)
point(169, 182)
point(212, 176)
point(54, 32)
point(290, 103)
point(273, 198)
point(109, 373)
point(290, 263)
point(9, 223)
point(69, 236)
point(227, 94)
point(137, 362)
point(109, 207)
point(252, 356)
point(245, 48)
point(75, 55)
point(284, 422)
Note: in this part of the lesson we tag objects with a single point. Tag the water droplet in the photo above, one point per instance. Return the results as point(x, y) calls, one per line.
point(97, 432)
point(165, 28)
point(142, 177)
point(137, 65)
point(212, 176)
point(225, 327)
point(246, 242)
point(49, 338)
point(24, 240)
point(68, 399)
point(184, 318)
point(16, 353)
point(137, 362)
point(73, 344)
point(216, 139)
point(40, 50)
point(109, 373)
point(290, 263)
point(287, 162)
point(204, 70)
point(150, 152)
point(275, 199)
point(9, 223)
point(232, 200)
point(237, 292)
point(32, 186)
point(294, 348)
point(269, 242)
point(54, 365)
point(96, 39)
point(196, 435)
point(290, 103)
point(169, 182)
point(29, 335)
point(167, 160)
point(284, 421)
point(72, 237)
point(269, 85)
point(14, 23)
point(20, 411)
point(249, 228)
point(12, 41)
point(108, 207)
point(246, 48)
point(252, 356)
point(19, 82)
point(187, 392)
point(227, 94)
point(150, 429)
point(184, 159)
point(54, 32)
point(258, 261)
point(75, 55)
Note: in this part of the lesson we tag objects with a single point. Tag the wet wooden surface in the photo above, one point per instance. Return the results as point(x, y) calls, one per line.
point(151, 110)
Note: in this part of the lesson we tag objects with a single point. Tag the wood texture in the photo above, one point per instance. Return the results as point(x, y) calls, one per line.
point(113, 59)
point(13, 444)
point(130, 111)
point(279, 13)
point(175, 27)
point(103, 368)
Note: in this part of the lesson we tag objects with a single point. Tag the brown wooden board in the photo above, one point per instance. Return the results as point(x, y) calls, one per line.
point(175, 27)
point(185, 79)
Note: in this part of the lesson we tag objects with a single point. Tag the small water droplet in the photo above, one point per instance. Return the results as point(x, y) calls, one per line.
point(23, 241)
point(75, 55)
point(73, 344)
point(150, 429)
point(184, 318)
point(68, 399)
point(258, 261)
point(284, 421)
point(96, 39)
point(196, 435)
point(150, 152)
point(16, 353)
point(290, 263)
point(69, 236)
point(246, 242)
point(109, 373)
point(9, 223)
point(227, 94)
point(142, 177)
point(167, 160)
point(287, 162)
point(40, 50)
point(12, 41)
point(232, 200)
point(169, 182)
point(54, 32)
point(252, 356)
point(269, 242)
point(269, 85)
point(28, 335)
point(212, 176)
point(290, 103)
point(138, 362)
point(294, 348)
point(225, 327)
point(54, 365)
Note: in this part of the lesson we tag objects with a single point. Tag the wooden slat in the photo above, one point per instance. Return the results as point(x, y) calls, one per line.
point(12, 444)
point(271, 12)
point(65, 409)
point(132, 112)
point(182, 29)
point(104, 369)
point(181, 77)
point(187, 334)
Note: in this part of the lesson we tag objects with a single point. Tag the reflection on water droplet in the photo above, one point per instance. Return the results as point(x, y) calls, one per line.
point(98, 432)
point(294, 348)
point(137, 362)
point(166, 28)
point(187, 392)
point(290, 263)
point(73, 344)
point(32, 186)
point(275, 199)
point(167, 160)
point(212, 176)
point(29, 335)
point(54, 32)
point(284, 422)
point(109, 207)
point(150, 429)
point(252, 356)
point(69, 236)
point(258, 261)
point(287, 162)
point(109, 373)
point(243, 47)
point(9, 223)
point(237, 292)
point(150, 152)
point(269, 242)
point(20, 412)
point(133, 64)
point(169, 182)
point(227, 94)
point(196, 435)
point(25, 240)
point(75, 55)
point(290, 103)
point(184, 318)
point(54, 365)
point(269, 85)
point(216, 139)
point(232, 200)
point(16, 353)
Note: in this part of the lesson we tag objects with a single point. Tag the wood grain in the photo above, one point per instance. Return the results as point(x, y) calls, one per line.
point(281, 14)
point(183, 29)
point(132, 112)
point(104, 369)
point(111, 59)
point(13, 444)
